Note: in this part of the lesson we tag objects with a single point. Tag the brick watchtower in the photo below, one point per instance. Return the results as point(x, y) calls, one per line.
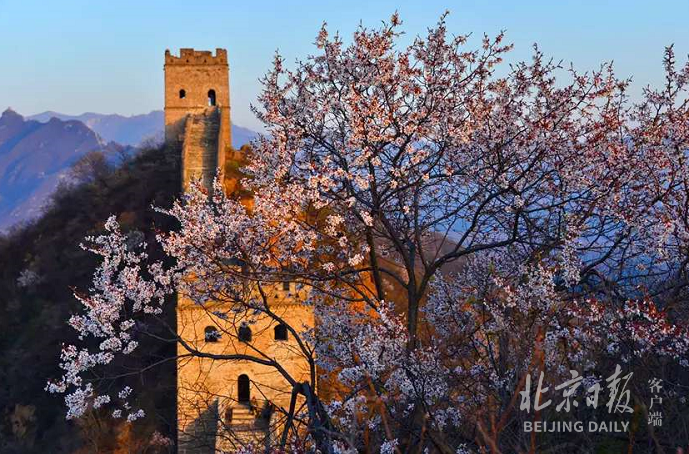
point(197, 110)
point(225, 404)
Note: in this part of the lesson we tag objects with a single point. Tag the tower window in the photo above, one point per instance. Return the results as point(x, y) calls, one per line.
point(285, 286)
point(211, 97)
point(244, 334)
point(281, 332)
point(182, 94)
point(211, 334)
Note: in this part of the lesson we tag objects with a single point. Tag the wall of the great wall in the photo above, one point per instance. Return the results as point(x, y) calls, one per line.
point(197, 110)
point(197, 114)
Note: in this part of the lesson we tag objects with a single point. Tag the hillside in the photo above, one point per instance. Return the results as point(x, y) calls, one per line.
point(39, 265)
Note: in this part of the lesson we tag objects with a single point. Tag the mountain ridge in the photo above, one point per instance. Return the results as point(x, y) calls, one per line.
point(37, 151)
point(35, 157)
point(133, 130)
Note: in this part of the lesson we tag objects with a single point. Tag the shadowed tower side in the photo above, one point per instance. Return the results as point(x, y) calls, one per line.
point(197, 111)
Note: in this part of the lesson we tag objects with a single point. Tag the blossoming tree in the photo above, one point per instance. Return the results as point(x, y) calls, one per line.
point(457, 224)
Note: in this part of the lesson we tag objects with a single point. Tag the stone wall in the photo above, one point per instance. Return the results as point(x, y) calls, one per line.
point(201, 150)
point(188, 80)
point(207, 388)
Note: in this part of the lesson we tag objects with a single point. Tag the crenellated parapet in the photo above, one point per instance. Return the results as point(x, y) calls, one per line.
point(188, 56)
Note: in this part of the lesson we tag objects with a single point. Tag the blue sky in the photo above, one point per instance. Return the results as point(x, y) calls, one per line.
point(75, 56)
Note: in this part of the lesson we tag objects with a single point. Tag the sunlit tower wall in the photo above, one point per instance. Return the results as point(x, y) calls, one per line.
point(197, 110)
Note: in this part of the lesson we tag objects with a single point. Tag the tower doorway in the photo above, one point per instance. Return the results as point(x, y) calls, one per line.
point(244, 389)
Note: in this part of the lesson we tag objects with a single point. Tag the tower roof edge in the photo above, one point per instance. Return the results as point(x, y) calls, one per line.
point(190, 56)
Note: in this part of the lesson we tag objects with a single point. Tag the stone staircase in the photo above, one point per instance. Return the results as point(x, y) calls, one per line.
point(244, 429)
point(200, 147)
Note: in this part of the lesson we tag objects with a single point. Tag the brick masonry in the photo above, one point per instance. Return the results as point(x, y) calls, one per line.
point(206, 388)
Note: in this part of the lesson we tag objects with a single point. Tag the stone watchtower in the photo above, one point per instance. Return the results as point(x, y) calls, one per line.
point(197, 111)
point(223, 405)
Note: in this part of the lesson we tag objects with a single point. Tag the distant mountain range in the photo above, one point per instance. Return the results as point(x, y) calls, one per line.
point(112, 127)
point(34, 157)
point(135, 129)
point(36, 153)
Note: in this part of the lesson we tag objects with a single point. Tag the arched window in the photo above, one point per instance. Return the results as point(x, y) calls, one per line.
point(211, 97)
point(244, 334)
point(211, 334)
point(243, 388)
point(182, 93)
point(281, 332)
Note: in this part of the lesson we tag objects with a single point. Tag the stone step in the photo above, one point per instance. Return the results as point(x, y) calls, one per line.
point(201, 144)
point(239, 419)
